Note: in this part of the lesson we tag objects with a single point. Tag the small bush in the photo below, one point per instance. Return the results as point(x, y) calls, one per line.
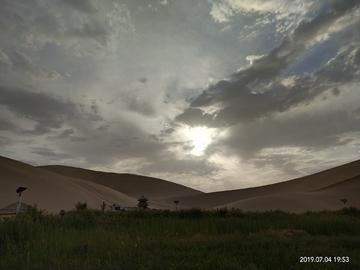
point(350, 211)
point(81, 206)
point(34, 212)
point(222, 212)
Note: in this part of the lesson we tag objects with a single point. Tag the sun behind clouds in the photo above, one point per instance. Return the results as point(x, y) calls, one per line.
point(201, 138)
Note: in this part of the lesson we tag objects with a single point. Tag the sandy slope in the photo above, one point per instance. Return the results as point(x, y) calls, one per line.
point(60, 187)
point(300, 185)
point(325, 198)
point(51, 191)
point(129, 184)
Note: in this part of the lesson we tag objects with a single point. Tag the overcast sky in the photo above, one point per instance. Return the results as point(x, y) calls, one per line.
point(214, 95)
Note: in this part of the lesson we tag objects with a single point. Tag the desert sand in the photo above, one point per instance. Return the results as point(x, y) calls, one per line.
point(54, 188)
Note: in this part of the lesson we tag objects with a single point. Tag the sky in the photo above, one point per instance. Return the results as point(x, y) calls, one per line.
point(214, 95)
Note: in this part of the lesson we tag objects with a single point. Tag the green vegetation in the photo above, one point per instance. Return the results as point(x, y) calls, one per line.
point(183, 239)
point(81, 206)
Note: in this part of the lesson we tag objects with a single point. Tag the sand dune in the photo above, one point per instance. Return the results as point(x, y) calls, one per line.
point(60, 187)
point(51, 191)
point(304, 184)
point(326, 198)
point(129, 184)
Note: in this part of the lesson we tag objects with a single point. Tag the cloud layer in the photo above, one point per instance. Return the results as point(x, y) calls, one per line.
point(213, 95)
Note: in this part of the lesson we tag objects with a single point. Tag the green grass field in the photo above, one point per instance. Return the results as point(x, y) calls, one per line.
point(183, 239)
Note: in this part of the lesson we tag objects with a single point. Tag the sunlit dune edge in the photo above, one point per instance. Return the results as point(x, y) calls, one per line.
point(60, 187)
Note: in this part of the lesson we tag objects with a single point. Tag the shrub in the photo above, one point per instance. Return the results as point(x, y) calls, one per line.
point(222, 212)
point(81, 206)
point(34, 213)
point(350, 211)
point(195, 213)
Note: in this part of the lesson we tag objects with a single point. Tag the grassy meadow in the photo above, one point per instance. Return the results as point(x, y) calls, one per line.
point(182, 239)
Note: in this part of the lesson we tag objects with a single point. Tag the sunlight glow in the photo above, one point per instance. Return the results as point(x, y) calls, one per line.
point(201, 139)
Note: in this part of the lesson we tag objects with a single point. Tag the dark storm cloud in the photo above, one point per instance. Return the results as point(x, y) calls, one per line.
point(140, 106)
point(39, 129)
point(154, 137)
point(308, 30)
point(49, 112)
point(195, 117)
point(257, 91)
point(357, 58)
point(167, 131)
point(311, 131)
point(143, 80)
point(6, 125)
point(94, 115)
point(94, 107)
point(103, 127)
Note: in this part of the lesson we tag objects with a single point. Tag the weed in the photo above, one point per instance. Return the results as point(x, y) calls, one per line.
point(182, 239)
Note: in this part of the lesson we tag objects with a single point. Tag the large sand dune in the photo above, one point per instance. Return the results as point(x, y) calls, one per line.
point(51, 191)
point(129, 184)
point(61, 187)
point(311, 192)
point(326, 198)
point(62, 190)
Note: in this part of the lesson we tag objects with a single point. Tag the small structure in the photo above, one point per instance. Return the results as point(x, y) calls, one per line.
point(103, 206)
point(176, 203)
point(344, 201)
point(115, 207)
point(19, 190)
point(143, 202)
point(10, 210)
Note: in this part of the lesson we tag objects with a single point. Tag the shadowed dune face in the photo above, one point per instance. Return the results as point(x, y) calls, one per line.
point(129, 184)
point(60, 187)
point(51, 191)
point(66, 186)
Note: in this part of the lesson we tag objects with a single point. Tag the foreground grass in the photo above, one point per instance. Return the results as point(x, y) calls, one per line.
point(192, 239)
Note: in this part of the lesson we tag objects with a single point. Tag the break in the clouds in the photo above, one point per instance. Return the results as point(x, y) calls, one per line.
point(260, 89)
point(211, 94)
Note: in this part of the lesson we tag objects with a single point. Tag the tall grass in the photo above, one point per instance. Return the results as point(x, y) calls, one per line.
point(183, 239)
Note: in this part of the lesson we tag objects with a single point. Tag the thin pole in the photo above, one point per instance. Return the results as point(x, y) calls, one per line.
point(19, 204)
